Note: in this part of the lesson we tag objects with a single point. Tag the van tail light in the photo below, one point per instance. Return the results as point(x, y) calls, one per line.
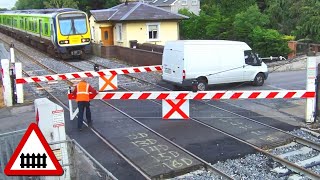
point(183, 74)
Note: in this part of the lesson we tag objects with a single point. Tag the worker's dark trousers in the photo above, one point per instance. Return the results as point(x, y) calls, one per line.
point(81, 106)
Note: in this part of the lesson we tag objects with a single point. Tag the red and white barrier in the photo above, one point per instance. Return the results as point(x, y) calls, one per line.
point(214, 95)
point(175, 104)
point(88, 74)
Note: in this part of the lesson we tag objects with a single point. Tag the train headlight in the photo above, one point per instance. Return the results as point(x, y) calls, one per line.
point(64, 42)
point(85, 40)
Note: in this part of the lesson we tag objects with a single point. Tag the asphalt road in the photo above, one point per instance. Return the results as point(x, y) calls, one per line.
point(295, 80)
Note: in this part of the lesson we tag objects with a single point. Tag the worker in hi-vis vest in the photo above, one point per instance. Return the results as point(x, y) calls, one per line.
point(81, 92)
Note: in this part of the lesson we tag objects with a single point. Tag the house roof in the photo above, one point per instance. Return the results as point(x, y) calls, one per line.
point(162, 2)
point(134, 11)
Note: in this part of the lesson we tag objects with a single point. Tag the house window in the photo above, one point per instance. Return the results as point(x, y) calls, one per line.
point(184, 2)
point(119, 32)
point(153, 31)
point(194, 2)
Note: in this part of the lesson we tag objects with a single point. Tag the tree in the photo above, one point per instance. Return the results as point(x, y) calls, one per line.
point(246, 21)
point(111, 3)
point(229, 8)
point(195, 26)
point(86, 5)
point(61, 4)
point(308, 25)
point(29, 4)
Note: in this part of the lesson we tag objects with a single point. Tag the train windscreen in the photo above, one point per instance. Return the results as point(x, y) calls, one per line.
point(72, 24)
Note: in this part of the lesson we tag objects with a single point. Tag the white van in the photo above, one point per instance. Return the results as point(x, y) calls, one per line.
point(211, 62)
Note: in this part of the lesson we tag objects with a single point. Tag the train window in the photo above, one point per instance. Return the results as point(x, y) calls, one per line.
point(72, 24)
point(46, 29)
point(66, 27)
point(80, 26)
point(35, 26)
point(15, 23)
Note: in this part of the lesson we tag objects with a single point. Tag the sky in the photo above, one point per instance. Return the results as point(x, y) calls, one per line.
point(7, 3)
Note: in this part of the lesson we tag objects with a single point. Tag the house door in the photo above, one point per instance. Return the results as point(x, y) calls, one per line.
point(107, 36)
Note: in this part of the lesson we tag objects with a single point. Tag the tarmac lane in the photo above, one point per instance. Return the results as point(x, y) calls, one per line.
point(152, 154)
point(98, 149)
point(206, 143)
point(241, 126)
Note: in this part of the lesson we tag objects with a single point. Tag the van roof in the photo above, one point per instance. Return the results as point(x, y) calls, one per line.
point(239, 44)
point(208, 42)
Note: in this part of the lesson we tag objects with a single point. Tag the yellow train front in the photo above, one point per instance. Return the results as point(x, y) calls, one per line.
point(72, 34)
point(62, 32)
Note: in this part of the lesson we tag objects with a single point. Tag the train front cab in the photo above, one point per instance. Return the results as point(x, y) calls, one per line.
point(73, 34)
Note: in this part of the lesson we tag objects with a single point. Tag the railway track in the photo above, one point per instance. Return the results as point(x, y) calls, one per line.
point(300, 167)
point(51, 89)
point(292, 166)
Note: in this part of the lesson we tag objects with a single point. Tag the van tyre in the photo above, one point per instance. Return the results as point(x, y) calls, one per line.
point(202, 85)
point(258, 80)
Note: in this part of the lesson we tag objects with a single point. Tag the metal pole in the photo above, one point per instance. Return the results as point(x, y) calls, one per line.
point(12, 53)
point(13, 84)
point(310, 86)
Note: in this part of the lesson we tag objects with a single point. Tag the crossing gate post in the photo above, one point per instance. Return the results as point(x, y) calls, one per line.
point(50, 120)
point(13, 84)
point(311, 86)
point(317, 108)
point(7, 90)
point(19, 87)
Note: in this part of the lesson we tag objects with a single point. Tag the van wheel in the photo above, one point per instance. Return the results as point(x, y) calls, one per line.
point(202, 85)
point(258, 80)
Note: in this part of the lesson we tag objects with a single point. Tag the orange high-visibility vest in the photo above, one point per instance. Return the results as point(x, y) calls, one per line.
point(82, 92)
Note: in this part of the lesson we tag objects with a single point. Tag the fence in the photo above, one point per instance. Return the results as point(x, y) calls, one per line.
point(133, 56)
point(82, 165)
point(300, 48)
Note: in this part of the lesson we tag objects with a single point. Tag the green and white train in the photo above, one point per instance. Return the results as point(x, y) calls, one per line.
point(64, 32)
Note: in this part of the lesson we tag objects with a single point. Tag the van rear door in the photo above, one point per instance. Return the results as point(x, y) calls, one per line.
point(173, 65)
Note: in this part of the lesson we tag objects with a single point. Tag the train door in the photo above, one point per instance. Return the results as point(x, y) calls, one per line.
point(106, 36)
point(40, 27)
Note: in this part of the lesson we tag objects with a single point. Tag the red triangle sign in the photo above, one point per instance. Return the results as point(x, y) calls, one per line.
point(33, 156)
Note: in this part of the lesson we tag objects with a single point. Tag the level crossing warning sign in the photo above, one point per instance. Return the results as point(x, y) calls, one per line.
point(33, 156)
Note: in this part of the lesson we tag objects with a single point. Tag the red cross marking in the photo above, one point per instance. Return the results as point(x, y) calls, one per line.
point(108, 82)
point(176, 108)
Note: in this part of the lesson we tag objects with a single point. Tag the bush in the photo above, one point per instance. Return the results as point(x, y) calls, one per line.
point(269, 42)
